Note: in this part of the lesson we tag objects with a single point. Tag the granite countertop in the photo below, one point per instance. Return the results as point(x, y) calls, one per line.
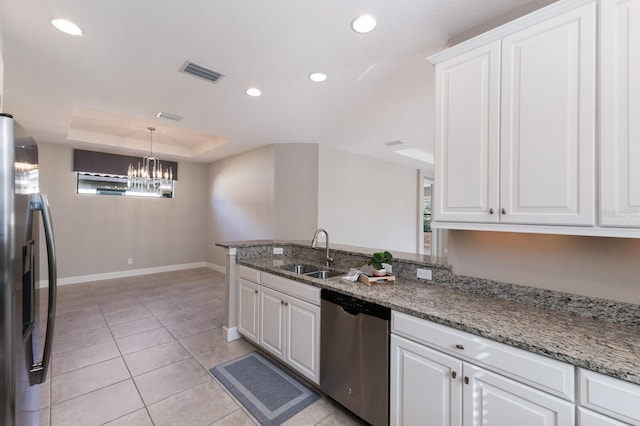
point(605, 347)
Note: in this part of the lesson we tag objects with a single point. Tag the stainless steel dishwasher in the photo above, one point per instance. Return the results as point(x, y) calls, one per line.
point(354, 355)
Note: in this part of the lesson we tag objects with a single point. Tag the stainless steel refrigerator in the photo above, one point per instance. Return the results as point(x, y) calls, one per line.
point(27, 314)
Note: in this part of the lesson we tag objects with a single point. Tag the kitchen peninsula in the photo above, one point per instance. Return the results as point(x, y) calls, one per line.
point(596, 335)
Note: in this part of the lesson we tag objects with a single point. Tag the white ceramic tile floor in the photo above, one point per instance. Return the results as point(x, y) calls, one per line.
point(137, 351)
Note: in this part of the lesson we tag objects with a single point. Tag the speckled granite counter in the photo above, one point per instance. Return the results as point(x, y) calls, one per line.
point(603, 346)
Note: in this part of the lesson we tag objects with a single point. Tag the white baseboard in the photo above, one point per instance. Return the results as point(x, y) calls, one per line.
point(232, 333)
point(216, 267)
point(123, 274)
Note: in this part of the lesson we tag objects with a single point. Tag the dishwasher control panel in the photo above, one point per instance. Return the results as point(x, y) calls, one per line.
point(355, 306)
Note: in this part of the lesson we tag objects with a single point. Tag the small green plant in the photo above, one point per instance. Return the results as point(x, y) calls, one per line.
point(377, 259)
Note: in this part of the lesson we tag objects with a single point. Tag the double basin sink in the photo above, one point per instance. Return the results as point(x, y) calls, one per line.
point(311, 271)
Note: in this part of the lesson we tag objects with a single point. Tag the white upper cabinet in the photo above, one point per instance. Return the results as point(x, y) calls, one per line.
point(620, 113)
point(516, 122)
point(467, 129)
point(548, 121)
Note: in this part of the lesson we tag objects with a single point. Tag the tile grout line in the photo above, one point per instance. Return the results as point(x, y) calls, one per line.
point(103, 299)
point(128, 370)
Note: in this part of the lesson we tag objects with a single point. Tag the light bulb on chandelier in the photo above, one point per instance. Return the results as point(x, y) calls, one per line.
point(148, 176)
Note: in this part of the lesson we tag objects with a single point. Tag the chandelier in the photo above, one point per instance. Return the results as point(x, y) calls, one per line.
point(149, 177)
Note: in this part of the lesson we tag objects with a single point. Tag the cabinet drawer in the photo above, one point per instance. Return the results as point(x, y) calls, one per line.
point(302, 291)
point(549, 375)
point(613, 397)
point(591, 418)
point(249, 274)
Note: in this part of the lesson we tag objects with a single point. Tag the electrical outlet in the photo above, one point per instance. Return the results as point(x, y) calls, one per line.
point(424, 274)
point(130, 261)
point(277, 262)
point(278, 250)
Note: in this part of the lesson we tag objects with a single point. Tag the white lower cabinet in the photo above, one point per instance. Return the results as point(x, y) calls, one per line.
point(424, 385)
point(272, 319)
point(248, 305)
point(492, 399)
point(302, 331)
point(288, 327)
point(480, 386)
point(290, 330)
point(616, 401)
point(591, 418)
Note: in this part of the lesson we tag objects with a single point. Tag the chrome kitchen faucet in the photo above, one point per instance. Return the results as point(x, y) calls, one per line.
point(315, 240)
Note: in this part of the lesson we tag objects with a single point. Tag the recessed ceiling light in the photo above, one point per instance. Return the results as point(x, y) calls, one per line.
point(363, 24)
point(317, 77)
point(252, 91)
point(66, 27)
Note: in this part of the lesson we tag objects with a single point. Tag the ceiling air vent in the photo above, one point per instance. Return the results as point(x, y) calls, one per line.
point(169, 116)
point(202, 72)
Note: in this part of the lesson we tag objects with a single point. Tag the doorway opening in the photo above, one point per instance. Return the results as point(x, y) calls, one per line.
point(426, 214)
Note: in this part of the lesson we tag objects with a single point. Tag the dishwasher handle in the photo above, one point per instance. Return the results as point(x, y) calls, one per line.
point(355, 306)
point(350, 311)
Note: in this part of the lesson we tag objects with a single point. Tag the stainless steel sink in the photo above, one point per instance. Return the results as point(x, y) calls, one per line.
point(324, 274)
point(300, 268)
point(312, 271)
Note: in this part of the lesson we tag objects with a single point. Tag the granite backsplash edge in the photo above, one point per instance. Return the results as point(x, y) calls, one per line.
point(584, 306)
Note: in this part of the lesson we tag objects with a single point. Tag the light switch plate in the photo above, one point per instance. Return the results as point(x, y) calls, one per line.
point(278, 250)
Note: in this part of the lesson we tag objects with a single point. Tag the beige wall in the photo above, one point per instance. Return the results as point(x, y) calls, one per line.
point(266, 193)
point(1, 70)
point(296, 191)
point(367, 202)
point(608, 268)
point(241, 194)
point(97, 234)
point(287, 191)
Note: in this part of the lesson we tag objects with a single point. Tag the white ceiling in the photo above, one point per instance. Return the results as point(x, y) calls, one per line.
point(101, 91)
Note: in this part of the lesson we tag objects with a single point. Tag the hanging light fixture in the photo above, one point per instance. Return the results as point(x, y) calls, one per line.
point(148, 177)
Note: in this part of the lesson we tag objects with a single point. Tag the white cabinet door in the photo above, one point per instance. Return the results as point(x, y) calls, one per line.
point(491, 399)
point(548, 121)
point(610, 396)
point(591, 418)
point(467, 136)
point(272, 321)
point(425, 385)
point(619, 113)
point(248, 309)
point(302, 350)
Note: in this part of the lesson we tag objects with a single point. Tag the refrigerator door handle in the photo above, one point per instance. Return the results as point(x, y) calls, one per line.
point(38, 370)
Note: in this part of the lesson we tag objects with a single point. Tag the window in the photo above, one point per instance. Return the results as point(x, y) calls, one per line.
point(100, 184)
point(99, 173)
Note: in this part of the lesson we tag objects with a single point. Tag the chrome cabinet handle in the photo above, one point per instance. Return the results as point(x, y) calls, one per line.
point(466, 380)
point(286, 303)
point(503, 211)
point(454, 374)
point(459, 346)
point(256, 291)
point(491, 211)
point(282, 302)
